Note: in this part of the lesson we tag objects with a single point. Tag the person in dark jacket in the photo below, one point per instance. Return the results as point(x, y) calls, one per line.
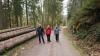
point(56, 32)
point(40, 33)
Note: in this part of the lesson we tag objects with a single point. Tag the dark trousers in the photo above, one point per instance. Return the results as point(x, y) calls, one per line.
point(57, 37)
point(41, 37)
point(48, 38)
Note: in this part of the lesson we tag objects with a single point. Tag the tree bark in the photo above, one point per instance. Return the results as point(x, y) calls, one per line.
point(27, 13)
point(1, 14)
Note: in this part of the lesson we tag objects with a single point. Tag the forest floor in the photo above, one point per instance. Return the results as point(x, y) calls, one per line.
point(32, 48)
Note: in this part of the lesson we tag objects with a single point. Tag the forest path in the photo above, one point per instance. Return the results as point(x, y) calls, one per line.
point(62, 48)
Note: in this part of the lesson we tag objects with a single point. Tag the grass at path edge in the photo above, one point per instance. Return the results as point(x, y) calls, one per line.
point(74, 44)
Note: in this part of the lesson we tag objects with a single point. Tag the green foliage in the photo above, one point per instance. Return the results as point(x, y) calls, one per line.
point(17, 13)
point(82, 14)
point(53, 10)
point(18, 10)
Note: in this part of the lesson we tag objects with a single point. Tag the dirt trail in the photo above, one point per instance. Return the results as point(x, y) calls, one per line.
point(63, 48)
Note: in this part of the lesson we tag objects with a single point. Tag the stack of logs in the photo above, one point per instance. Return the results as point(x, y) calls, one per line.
point(12, 37)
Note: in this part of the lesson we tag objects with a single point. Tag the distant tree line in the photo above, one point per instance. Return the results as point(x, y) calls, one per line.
point(18, 13)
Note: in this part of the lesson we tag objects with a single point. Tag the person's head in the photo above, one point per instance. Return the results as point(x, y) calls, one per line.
point(56, 27)
point(48, 26)
point(39, 25)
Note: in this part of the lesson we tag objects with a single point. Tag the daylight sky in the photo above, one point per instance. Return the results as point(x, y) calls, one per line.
point(65, 2)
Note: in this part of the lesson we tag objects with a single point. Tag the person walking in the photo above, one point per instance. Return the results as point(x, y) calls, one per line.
point(56, 32)
point(40, 33)
point(48, 33)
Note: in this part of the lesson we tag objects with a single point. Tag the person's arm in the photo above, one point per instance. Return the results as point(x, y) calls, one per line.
point(46, 31)
point(43, 30)
point(54, 30)
point(36, 31)
point(59, 29)
point(51, 29)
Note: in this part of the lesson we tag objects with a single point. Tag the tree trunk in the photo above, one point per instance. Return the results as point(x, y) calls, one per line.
point(9, 10)
point(27, 13)
point(1, 16)
point(21, 21)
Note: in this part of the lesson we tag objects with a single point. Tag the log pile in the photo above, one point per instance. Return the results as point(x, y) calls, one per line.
point(12, 38)
point(12, 29)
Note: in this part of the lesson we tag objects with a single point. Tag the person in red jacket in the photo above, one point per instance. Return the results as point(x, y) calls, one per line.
point(48, 33)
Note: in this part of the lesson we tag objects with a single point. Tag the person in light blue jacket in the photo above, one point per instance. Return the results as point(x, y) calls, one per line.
point(56, 32)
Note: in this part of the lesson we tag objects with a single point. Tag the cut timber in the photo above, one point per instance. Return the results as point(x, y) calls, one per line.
point(8, 35)
point(4, 45)
point(12, 29)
